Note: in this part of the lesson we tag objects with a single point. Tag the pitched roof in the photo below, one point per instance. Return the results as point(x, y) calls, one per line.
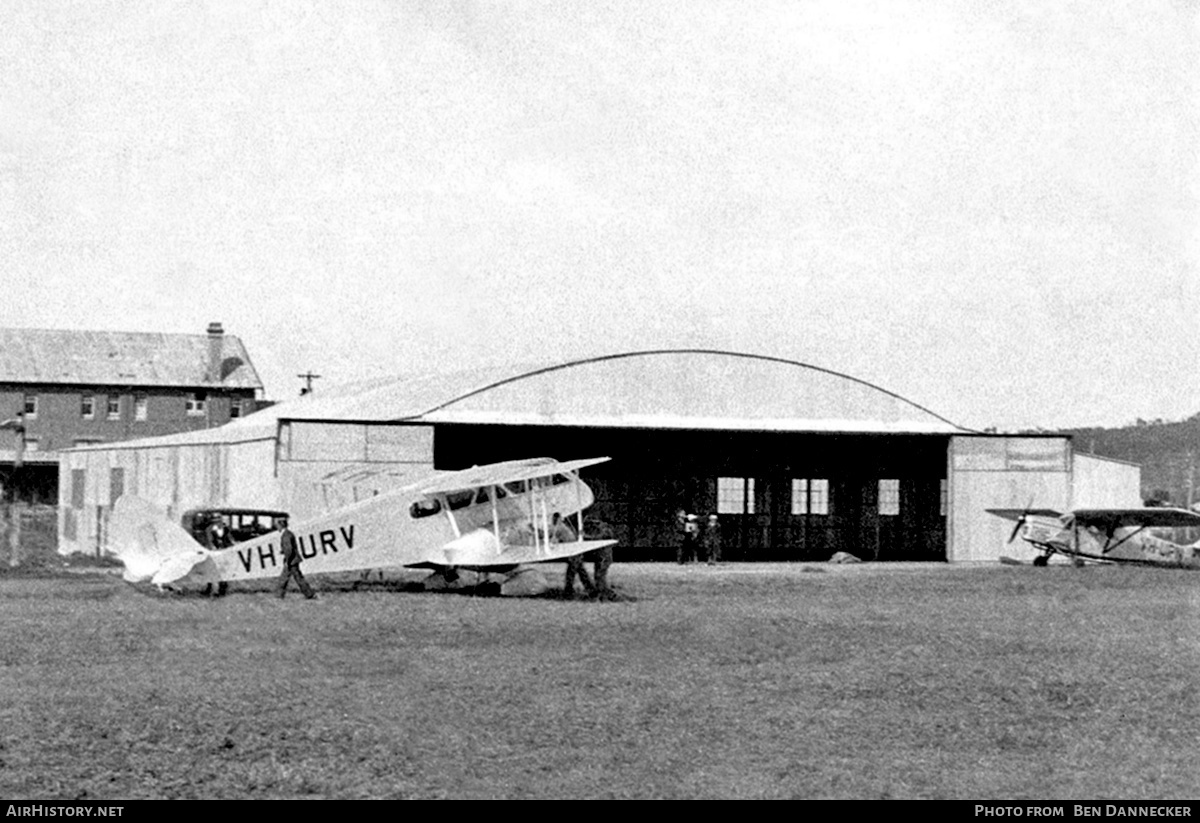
point(121, 359)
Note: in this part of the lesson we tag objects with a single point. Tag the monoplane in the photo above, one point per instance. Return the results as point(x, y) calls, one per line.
point(496, 518)
point(1106, 535)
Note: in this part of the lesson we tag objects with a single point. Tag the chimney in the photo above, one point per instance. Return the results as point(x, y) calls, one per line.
point(216, 344)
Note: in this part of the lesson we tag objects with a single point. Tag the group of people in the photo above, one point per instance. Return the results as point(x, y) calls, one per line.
point(697, 540)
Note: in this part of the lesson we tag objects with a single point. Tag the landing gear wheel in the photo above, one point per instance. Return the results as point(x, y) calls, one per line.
point(1041, 560)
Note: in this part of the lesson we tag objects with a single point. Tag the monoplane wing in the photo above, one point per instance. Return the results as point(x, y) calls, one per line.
point(1150, 517)
point(1020, 514)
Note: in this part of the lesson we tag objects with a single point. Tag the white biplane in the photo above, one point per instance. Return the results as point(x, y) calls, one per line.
point(493, 518)
point(1106, 535)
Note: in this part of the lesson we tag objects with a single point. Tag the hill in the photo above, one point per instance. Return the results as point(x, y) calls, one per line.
point(1167, 452)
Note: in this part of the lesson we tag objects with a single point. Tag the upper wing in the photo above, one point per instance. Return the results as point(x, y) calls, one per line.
point(496, 474)
point(1152, 517)
point(1017, 514)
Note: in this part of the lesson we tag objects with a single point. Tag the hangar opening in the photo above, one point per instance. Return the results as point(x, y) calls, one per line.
point(779, 496)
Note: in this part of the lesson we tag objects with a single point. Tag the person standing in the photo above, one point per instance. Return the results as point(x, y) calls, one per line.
point(291, 563)
point(712, 540)
point(691, 539)
point(560, 532)
point(601, 558)
point(680, 535)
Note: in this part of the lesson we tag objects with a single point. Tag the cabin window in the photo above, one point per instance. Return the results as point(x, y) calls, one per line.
point(424, 508)
point(30, 405)
point(889, 497)
point(87, 406)
point(458, 500)
point(235, 408)
point(140, 407)
point(113, 407)
point(810, 496)
point(735, 495)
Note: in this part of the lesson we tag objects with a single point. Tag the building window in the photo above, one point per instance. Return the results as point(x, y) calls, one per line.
point(31, 444)
point(196, 403)
point(140, 406)
point(114, 407)
point(889, 497)
point(735, 495)
point(87, 406)
point(944, 505)
point(30, 406)
point(235, 407)
point(810, 496)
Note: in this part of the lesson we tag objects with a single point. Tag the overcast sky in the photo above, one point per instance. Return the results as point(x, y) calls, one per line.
point(989, 208)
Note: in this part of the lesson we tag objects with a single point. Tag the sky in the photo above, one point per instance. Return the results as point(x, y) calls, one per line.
point(992, 209)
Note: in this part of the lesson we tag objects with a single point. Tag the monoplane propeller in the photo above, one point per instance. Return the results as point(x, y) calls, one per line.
point(1021, 521)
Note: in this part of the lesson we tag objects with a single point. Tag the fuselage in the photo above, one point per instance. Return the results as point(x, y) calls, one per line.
point(1128, 544)
point(403, 528)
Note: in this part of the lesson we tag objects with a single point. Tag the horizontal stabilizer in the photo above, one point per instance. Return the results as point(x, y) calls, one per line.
point(150, 545)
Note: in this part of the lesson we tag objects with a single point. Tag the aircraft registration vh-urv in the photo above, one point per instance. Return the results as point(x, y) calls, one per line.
point(1106, 535)
point(493, 518)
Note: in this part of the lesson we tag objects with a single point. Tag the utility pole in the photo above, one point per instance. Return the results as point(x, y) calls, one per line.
point(307, 377)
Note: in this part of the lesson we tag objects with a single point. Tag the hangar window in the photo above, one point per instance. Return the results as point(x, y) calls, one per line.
point(735, 495)
point(810, 496)
point(889, 497)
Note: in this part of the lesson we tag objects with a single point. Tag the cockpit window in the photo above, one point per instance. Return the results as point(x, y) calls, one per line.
point(559, 479)
point(482, 496)
point(458, 500)
point(425, 508)
point(500, 493)
point(515, 486)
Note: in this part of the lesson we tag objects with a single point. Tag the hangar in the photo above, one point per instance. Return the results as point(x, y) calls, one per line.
point(798, 461)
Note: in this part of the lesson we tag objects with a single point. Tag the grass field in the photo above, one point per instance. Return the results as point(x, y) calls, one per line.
point(741, 682)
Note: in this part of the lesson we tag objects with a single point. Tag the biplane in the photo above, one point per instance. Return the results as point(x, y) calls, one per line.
point(1106, 535)
point(494, 518)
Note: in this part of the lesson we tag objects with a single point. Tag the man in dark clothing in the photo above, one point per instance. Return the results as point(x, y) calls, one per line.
point(560, 532)
point(597, 529)
point(291, 563)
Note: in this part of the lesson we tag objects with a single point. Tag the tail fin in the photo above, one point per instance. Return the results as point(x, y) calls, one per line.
point(152, 547)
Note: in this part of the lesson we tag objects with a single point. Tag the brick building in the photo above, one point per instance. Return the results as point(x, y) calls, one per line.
point(61, 389)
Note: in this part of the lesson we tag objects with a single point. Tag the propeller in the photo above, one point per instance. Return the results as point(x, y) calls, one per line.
point(1021, 521)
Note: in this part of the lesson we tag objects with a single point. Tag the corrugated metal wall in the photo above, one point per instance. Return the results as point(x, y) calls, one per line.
point(1002, 472)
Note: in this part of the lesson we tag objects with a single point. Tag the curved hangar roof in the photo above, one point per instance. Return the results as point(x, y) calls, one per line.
point(679, 389)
